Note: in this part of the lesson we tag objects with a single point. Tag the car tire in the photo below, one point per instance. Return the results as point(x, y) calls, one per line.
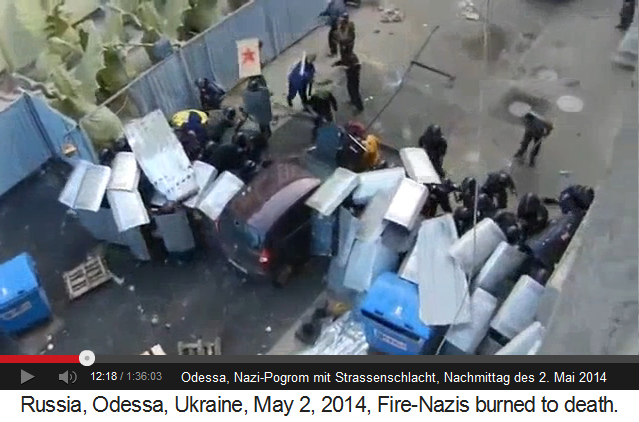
point(283, 276)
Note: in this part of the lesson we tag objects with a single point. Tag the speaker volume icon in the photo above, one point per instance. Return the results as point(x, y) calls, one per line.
point(68, 377)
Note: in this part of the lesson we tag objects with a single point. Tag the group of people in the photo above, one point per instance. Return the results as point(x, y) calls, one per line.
point(341, 40)
point(202, 134)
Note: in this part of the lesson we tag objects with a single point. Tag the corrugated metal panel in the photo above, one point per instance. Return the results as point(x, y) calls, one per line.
point(23, 147)
point(303, 16)
point(418, 165)
point(102, 226)
point(161, 156)
point(372, 223)
point(176, 232)
point(367, 261)
point(279, 23)
point(166, 87)
point(128, 209)
point(323, 229)
point(474, 248)
point(443, 288)
point(407, 203)
point(125, 173)
point(221, 46)
point(219, 194)
point(204, 174)
point(372, 182)
point(198, 60)
point(60, 130)
point(328, 197)
point(467, 337)
point(72, 187)
point(92, 189)
point(519, 309)
point(348, 226)
point(250, 22)
point(503, 263)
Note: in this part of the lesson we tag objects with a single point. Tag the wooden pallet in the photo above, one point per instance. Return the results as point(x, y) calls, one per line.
point(155, 350)
point(85, 277)
point(202, 348)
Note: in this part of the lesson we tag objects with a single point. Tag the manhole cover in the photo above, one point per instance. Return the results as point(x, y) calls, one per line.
point(570, 104)
point(547, 75)
point(519, 108)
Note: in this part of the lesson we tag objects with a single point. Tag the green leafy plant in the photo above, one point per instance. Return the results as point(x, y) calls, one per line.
point(200, 16)
point(49, 18)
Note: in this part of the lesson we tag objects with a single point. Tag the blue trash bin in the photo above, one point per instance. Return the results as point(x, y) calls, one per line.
point(390, 313)
point(23, 302)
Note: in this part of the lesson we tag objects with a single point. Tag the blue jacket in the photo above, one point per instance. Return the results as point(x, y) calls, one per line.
point(334, 10)
point(299, 81)
point(194, 123)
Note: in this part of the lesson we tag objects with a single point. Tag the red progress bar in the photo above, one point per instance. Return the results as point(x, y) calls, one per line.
point(39, 359)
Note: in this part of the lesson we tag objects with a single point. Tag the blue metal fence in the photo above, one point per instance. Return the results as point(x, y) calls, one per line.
point(32, 132)
point(168, 86)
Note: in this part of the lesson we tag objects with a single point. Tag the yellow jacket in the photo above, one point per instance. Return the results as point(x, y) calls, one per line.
point(182, 117)
point(371, 156)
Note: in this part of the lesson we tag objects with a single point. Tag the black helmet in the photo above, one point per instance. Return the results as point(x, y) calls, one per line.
point(229, 113)
point(253, 85)
point(241, 140)
point(121, 144)
point(528, 204)
point(106, 156)
point(469, 184)
point(513, 234)
point(345, 15)
point(437, 131)
point(586, 196)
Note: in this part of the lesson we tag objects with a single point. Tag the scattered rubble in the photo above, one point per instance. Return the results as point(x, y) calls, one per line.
point(469, 10)
point(131, 288)
point(392, 16)
point(268, 329)
point(50, 346)
point(155, 320)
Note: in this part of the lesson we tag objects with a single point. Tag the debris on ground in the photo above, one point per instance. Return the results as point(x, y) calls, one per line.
point(268, 329)
point(167, 326)
point(201, 348)
point(155, 350)
point(50, 346)
point(131, 288)
point(392, 16)
point(118, 280)
point(140, 309)
point(86, 277)
point(469, 10)
point(155, 320)
point(324, 82)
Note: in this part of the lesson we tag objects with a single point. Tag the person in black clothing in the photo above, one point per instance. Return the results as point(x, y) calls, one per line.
point(353, 71)
point(435, 145)
point(228, 157)
point(536, 130)
point(627, 14)
point(190, 143)
point(575, 198)
point(507, 222)
point(333, 12)
point(438, 195)
point(497, 186)
point(533, 215)
point(322, 103)
point(211, 94)
point(218, 123)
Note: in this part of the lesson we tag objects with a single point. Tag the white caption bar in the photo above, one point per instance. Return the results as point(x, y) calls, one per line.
point(321, 406)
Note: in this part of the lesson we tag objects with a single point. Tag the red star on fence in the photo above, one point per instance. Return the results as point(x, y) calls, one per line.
point(248, 56)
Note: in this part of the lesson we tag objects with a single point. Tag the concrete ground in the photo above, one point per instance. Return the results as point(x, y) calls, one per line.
point(537, 50)
point(203, 298)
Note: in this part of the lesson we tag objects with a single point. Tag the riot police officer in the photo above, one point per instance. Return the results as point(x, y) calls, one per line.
point(435, 145)
point(497, 186)
point(533, 214)
point(536, 130)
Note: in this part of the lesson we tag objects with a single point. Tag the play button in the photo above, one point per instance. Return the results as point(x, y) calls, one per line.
point(25, 376)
